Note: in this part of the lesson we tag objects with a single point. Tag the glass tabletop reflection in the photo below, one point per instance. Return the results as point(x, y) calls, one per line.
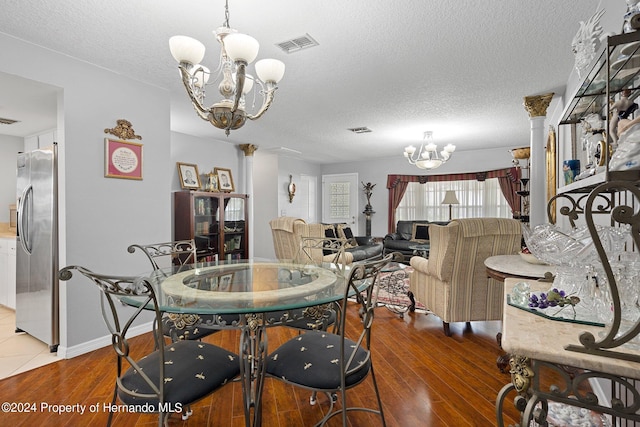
point(243, 287)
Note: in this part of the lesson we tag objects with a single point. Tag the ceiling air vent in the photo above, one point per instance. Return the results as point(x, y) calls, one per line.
point(4, 121)
point(297, 44)
point(363, 129)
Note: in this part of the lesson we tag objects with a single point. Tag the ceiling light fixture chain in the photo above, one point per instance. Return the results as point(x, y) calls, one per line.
point(426, 157)
point(226, 14)
point(237, 51)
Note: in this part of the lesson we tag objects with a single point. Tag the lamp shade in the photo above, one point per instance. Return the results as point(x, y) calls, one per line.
point(450, 198)
point(186, 49)
point(270, 70)
point(241, 47)
point(248, 84)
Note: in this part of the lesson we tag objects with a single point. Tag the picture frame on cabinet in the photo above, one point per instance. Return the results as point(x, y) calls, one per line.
point(225, 180)
point(122, 159)
point(189, 176)
point(212, 182)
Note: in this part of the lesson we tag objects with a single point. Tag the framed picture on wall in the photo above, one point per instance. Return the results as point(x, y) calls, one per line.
point(225, 180)
point(122, 159)
point(189, 177)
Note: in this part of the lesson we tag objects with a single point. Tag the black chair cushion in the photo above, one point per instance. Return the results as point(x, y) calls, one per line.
point(329, 232)
point(193, 370)
point(310, 360)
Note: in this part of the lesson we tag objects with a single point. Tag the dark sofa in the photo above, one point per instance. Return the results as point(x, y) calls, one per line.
point(404, 236)
point(363, 247)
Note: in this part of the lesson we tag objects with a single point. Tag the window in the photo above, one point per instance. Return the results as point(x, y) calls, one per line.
point(477, 199)
point(339, 199)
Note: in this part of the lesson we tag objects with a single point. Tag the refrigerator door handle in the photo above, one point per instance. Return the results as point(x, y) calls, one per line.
point(23, 216)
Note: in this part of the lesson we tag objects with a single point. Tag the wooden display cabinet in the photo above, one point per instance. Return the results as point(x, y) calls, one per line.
point(218, 222)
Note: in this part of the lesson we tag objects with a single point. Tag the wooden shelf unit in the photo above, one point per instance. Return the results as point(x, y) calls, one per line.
point(218, 222)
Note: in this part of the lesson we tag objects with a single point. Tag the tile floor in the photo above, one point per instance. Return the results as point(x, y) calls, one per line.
point(20, 352)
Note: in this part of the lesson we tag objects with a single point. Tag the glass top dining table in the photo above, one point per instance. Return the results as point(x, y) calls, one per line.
point(249, 296)
point(243, 287)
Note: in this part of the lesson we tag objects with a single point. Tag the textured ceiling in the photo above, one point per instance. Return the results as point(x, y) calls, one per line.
point(397, 67)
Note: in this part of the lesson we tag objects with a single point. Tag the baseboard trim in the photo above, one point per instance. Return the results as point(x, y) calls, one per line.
point(95, 344)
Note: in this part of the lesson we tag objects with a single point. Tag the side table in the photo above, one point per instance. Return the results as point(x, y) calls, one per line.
point(501, 267)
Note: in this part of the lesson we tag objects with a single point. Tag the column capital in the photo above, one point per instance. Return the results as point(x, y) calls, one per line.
point(537, 105)
point(248, 149)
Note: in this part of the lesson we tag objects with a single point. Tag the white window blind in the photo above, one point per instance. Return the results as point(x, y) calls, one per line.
point(477, 199)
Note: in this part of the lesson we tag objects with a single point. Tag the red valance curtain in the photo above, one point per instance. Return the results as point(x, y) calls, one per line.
point(397, 185)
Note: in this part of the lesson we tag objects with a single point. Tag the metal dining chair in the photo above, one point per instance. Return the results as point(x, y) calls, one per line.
point(168, 379)
point(180, 255)
point(332, 363)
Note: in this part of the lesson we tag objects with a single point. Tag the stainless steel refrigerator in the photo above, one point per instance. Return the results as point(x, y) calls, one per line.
point(37, 294)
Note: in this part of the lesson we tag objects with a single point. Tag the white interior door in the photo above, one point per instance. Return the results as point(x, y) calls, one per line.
point(309, 193)
point(340, 199)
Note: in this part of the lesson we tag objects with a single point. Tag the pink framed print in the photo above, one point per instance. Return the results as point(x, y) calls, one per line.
point(122, 159)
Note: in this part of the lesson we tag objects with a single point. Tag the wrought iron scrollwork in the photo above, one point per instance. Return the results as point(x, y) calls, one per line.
point(575, 390)
point(624, 215)
point(521, 373)
point(572, 387)
point(577, 206)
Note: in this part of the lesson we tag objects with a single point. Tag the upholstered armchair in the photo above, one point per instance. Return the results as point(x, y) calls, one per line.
point(286, 241)
point(296, 240)
point(453, 283)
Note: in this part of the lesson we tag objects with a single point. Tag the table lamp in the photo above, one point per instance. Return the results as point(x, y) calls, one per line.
point(450, 199)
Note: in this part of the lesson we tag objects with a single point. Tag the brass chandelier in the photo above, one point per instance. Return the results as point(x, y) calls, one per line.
point(426, 157)
point(237, 51)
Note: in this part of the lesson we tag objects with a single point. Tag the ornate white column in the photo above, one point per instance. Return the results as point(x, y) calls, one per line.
point(248, 150)
point(537, 106)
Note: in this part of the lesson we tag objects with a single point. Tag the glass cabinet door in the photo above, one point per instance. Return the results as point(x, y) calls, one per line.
point(217, 222)
point(234, 228)
point(205, 224)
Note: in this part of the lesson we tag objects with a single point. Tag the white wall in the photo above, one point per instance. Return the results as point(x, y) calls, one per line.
point(266, 197)
point(100, 216)
point(9, 148)
point(376, 172)
point(207, 154)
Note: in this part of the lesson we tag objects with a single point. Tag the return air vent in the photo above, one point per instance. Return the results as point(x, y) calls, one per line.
point(4, 121)
point(297, 44)
point(363, 129)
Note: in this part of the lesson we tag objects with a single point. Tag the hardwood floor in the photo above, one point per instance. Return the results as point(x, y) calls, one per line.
point(425, 379)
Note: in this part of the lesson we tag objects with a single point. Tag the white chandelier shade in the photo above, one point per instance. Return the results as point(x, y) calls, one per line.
point(270, 70)
point(232, 81)
point(241, 47)
point(426, 157)
point(186, 49)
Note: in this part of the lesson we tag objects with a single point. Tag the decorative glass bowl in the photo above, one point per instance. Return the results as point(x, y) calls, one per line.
point(574, 247)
